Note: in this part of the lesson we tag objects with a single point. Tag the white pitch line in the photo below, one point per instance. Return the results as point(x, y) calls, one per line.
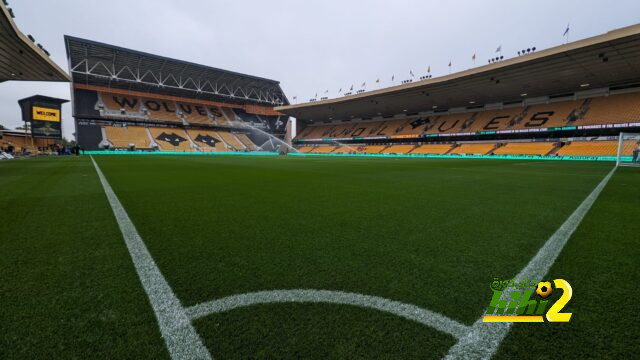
point(484, 338)
point(407, 311)
point(180, 336)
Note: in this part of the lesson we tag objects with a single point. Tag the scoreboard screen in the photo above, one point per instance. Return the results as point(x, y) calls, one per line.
point(44, 115)
point(45, 121)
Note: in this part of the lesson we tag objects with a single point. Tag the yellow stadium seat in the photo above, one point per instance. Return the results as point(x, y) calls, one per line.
point(525, 148)
point(247, 142)
point(231, 140)
point(473, 148)
point(597, 148)
point(374, 149)
point(203, 138)
point(323, 149)
point(613, 109)
point(122, 137)
point(179, 139)
point(398, 149)
point(437, 149)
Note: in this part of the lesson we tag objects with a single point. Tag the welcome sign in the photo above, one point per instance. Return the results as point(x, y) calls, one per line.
point(44, 115)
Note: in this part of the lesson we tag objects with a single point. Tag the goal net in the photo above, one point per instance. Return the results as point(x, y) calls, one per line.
point(628, 149)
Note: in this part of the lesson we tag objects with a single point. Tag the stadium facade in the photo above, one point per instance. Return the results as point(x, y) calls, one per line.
point(127, 99)
point(572, 100)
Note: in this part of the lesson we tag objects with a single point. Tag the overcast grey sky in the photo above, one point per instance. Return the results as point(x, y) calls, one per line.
point(309, 46)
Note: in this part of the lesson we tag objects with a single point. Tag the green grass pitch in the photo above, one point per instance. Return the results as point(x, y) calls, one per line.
point(427, 232)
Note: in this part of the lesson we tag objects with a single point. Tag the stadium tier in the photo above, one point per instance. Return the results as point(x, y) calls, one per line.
point(614, 109)
point(623, 108)
point(173, 139)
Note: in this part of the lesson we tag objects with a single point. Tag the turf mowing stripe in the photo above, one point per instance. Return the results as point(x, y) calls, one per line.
point(179, 334)
point(407, 311)
point(484, 338)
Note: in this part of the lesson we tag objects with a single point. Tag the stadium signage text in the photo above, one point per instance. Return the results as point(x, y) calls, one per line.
point(522, 307)
point(169, 107)
point(45, 114)
point(513, 131)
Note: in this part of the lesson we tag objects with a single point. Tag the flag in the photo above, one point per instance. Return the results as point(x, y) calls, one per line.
point(339, 91)
point(473, 57)
point(411, 73)
point(316, 95)
point(377, 81)
point(364, 84)
point(449, 63)
point(566, 31)
point(326, 91)
point(499, 49)
point(393, 77)
point(295, 97)
point(429, 69)
point(351, 88)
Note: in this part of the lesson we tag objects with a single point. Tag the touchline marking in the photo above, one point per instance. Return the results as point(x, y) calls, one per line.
point(484, 338)
point(479, 341)
point(407, 311)
point(180, 336)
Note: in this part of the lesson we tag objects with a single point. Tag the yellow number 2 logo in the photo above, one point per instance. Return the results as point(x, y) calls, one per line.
point(554, 314)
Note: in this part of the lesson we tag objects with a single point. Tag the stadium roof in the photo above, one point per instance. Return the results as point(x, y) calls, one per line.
point(20, 57)
point(608, 60)
point(97, 64)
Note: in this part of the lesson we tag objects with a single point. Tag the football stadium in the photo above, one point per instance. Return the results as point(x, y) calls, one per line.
point(199, 212)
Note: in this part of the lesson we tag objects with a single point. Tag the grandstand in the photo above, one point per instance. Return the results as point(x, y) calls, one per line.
point(123, 102)
point(548, 109)
point(612, 109)
point(16, 141)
